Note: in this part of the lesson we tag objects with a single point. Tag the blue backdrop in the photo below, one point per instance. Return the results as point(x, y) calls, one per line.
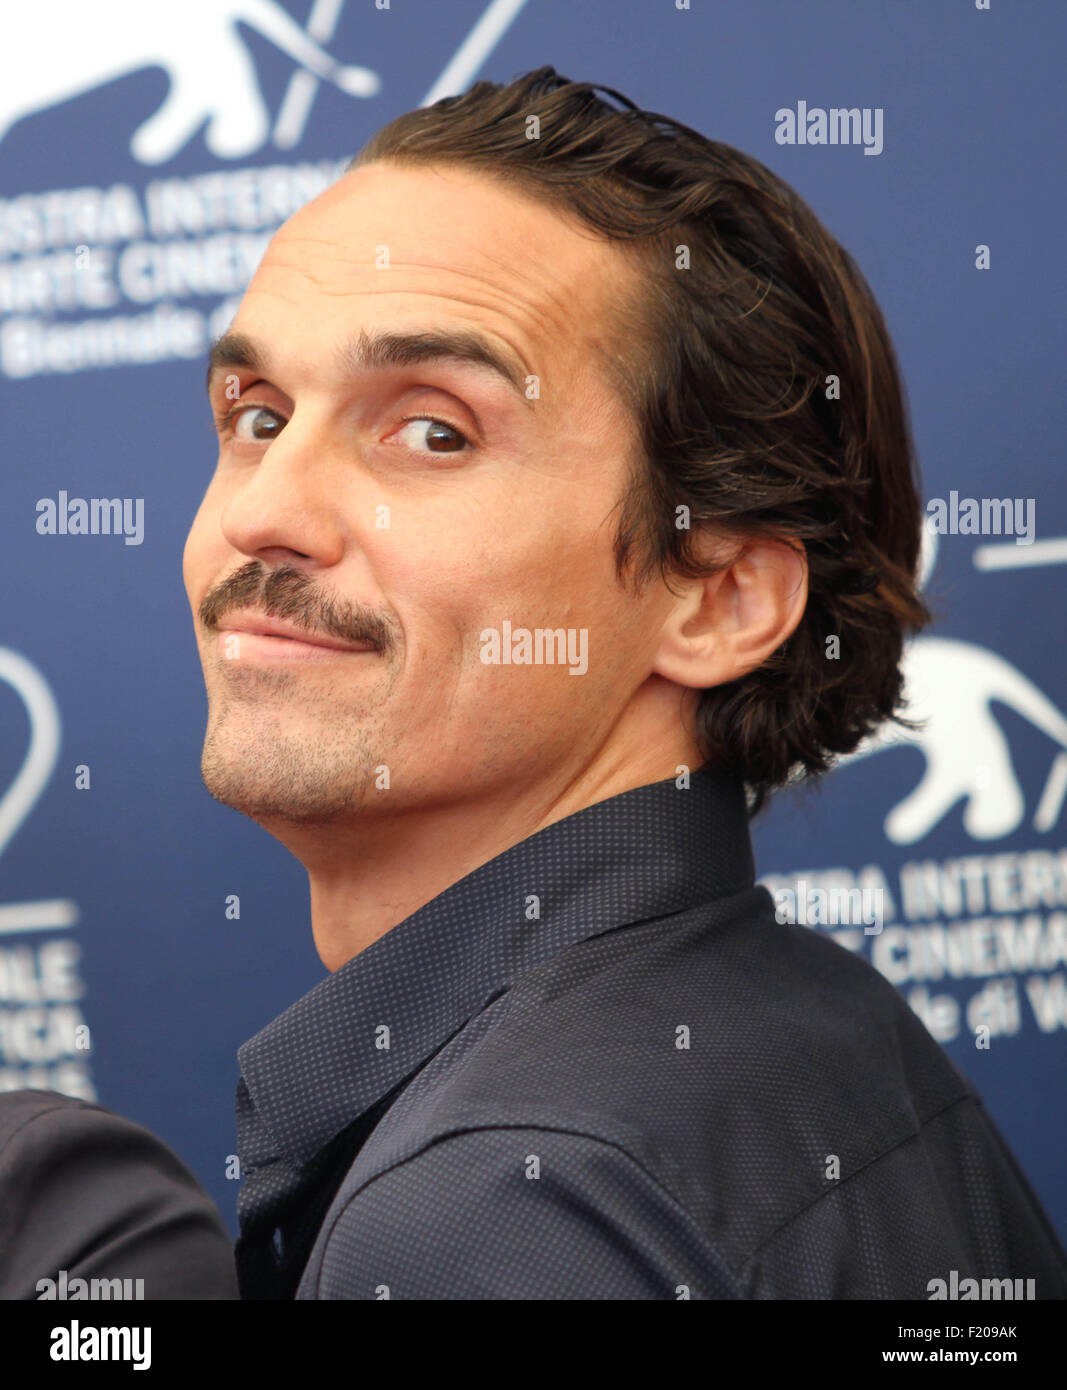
point(147, 150)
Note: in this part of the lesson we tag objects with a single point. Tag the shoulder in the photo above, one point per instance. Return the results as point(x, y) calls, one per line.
point(40, 1131)
point(516, 1212)
point(713, 1105)
point(727, 1058)
point(88, 1191)
point(705, 1036)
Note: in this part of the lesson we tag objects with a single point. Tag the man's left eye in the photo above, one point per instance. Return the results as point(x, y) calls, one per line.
point(424, 432)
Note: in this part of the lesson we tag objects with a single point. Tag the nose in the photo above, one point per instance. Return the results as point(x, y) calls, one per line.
point(285, 508)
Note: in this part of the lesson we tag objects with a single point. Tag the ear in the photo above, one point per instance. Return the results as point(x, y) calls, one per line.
point(728, 623)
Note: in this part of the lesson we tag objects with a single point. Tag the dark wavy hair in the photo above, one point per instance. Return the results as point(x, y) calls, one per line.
point(764, 386)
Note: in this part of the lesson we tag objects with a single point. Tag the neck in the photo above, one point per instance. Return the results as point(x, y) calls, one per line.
point(374, 870)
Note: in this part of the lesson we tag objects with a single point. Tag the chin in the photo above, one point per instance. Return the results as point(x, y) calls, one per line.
point(270, 801)
point(267, 778)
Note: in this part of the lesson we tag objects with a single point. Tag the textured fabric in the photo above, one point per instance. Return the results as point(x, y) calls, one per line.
point(609, 1072)
point(85, 1191)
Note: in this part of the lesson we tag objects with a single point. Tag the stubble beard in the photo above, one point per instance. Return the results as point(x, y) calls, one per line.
point(262, 761)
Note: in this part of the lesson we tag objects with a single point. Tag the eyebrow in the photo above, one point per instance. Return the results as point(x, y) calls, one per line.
point(382, 349)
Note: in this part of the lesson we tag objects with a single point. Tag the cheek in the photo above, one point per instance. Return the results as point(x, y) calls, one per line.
point(189, 563)
point(452, 576)
point(203, 547)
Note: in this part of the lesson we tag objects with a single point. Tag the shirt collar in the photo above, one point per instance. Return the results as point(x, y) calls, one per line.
point(642, 854)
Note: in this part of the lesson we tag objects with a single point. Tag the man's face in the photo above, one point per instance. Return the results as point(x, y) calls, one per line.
point(339, 503)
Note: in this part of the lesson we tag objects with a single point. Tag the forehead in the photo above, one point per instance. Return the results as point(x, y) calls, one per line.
point(443, 245)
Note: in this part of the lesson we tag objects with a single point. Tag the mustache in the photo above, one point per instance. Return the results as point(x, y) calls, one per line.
point(288, 593)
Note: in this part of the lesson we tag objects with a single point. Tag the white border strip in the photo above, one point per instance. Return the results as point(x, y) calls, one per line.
point(474, 50)
point(46, 914)
point(1010, 556)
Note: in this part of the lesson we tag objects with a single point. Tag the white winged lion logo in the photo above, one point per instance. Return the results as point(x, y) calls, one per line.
point(950, 686)
point(50, 52)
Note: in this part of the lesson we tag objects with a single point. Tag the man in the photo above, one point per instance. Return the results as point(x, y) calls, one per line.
point(555, 442)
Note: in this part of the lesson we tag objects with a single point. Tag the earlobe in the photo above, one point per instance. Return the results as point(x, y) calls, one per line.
point(730, 622)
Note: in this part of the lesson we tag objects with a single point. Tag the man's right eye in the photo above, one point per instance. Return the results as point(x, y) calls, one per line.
point(254, 424)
